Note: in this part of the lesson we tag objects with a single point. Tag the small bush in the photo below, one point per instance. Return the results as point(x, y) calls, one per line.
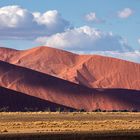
point(4, 109)
point(82, 110)
point(98, 110)
point(58, 109)
point(47, 109)
point(134, 110)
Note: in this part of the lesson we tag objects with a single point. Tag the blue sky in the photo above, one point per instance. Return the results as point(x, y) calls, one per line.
point(117, 17)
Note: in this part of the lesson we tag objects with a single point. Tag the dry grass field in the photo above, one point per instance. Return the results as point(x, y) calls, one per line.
point(76, 123)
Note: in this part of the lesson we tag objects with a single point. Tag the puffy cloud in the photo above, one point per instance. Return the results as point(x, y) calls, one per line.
point(91, 17)
point(14, 17)
point(86, 39)
point(52, 20)
point(19, 23)
point(125, 13)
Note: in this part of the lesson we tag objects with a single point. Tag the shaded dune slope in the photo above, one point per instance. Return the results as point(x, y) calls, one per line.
point(90, 70)
point(66, 93)
point(11, 100)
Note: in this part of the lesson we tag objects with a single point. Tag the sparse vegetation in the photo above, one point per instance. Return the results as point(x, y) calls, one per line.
point(4, 109)
point(58, 109)
point(134, 110)
point(82, 110)
point(78, 121)
point(47, 109)
point(75, 122)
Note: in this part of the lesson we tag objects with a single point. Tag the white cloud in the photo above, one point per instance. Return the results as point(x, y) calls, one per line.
point(17, 23)
point(91, 17)
point(86, 39)
point(15, 17)
point(52, 20)
point(125, 13)
point(139, 40)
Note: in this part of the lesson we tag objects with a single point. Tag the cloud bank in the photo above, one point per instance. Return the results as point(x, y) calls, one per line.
point(19, 23)
point(86, 39)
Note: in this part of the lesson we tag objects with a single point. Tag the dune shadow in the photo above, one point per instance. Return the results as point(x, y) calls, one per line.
point(11, 100)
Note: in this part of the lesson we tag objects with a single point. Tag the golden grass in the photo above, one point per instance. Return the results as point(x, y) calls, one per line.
point(33, 122)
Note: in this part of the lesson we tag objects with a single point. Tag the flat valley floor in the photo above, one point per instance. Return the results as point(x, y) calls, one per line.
point(69, 126)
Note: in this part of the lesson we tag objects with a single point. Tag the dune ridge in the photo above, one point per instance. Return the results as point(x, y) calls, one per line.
point(93, 71)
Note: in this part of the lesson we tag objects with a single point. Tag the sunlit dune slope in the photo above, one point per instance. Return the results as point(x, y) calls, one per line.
point(90, 70)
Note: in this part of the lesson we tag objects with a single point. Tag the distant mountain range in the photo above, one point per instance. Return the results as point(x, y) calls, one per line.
point(45, 77)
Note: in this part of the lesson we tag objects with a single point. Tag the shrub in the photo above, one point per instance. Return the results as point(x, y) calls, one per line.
point(134, 110)
point(82, 110)
point(47, 109)
point(98, 110)
point(4, 109)
point(58, 109)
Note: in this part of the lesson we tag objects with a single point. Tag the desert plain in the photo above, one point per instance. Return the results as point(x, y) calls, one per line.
point(69, 125)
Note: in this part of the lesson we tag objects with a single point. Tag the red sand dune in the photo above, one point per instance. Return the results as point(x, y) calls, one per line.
point(90, 70)
point(59, 91)
point(11, 100)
